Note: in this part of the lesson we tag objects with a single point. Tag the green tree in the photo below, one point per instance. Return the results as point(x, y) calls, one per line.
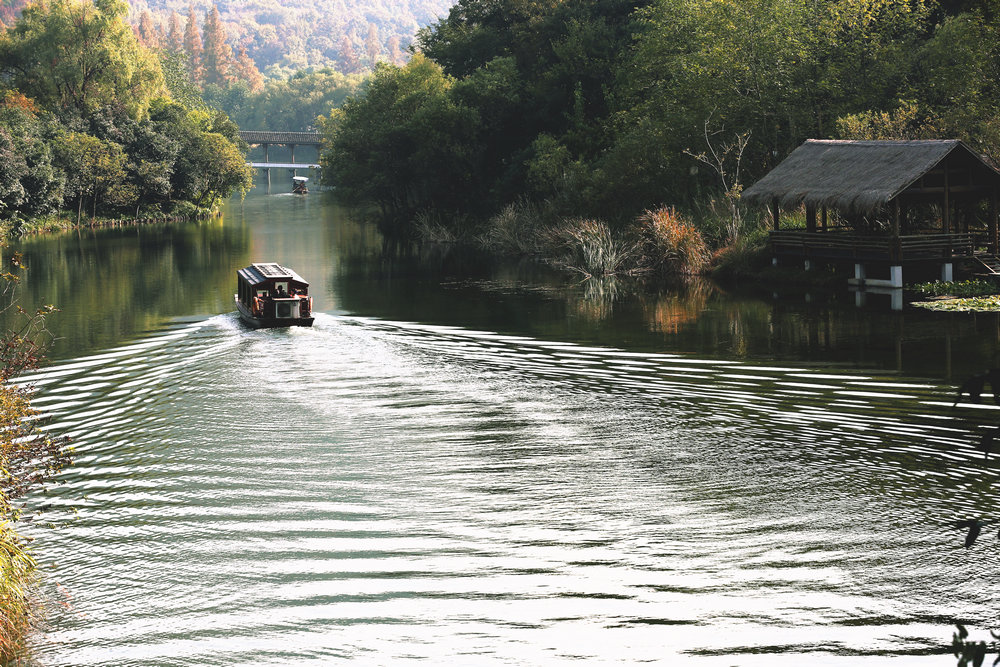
point(94, 169)
point(404, 145)
point(76, 56)
point(210, 162)
point(30, 185)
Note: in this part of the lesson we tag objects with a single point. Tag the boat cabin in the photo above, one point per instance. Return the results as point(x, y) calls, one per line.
point(270, 295)
point(299, 185)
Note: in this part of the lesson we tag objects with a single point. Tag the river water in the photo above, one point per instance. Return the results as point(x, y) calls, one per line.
point(466, 462)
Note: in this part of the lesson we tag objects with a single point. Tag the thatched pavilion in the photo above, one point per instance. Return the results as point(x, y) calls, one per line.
point(883, 204)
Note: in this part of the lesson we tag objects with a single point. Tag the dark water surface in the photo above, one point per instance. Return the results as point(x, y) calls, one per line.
point(467, 463)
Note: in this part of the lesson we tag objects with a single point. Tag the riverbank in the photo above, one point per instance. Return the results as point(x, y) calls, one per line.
point(61, 223)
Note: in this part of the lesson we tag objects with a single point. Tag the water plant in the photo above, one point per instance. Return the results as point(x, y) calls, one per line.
point(591, 248)
point(967, 288)
point(671, 244)
point(513, 231)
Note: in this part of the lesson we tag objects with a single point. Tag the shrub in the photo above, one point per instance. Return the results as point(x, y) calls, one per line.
point(28, 459)
point(671, 245)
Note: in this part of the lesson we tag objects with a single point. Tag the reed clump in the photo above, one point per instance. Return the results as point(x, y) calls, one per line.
point(671, 245)
point(513, 231)
point(590, 247)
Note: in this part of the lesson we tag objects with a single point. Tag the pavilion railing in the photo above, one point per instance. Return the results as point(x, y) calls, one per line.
point(849, 245)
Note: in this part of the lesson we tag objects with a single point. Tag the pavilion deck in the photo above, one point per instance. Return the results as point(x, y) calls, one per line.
point(849, 246)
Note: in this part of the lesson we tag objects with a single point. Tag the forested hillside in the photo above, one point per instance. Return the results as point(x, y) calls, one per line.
point(288, 35)
point(283, 36)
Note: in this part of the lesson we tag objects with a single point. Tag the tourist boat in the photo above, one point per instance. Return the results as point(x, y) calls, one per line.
point(299, 185)
point(269, 295)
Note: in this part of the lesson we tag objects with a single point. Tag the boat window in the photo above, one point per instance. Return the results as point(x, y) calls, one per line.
point(281, 287)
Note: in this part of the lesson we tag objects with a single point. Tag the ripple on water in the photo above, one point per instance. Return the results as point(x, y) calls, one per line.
point(386, 491)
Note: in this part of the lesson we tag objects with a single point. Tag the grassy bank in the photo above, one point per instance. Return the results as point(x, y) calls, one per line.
point(62, 223)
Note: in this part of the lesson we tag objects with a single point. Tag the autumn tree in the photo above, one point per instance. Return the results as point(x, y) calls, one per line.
point(147, 31)
point(192, 45)
point(217, 55)
point(348, 57)
point(246, 71)
point(175, 35)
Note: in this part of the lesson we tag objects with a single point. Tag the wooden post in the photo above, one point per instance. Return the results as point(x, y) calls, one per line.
point(810, 219)
point(293, 152)
point(946, 209)
point(265, 153)
point(895, 217)
point(822, 219)
point(993, 221)
point(775, 214)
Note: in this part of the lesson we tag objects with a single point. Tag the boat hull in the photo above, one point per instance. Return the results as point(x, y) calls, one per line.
point(271, 322)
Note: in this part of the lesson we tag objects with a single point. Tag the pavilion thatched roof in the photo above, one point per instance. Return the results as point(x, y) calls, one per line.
point(851, 176)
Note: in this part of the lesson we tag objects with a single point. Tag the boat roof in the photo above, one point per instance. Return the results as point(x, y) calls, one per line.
point(269, 271)
point(300, 178)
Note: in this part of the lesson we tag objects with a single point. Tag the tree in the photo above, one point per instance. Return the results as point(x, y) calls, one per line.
point(210, 162)
point(94, 168)
point(30, 185)
point(372, 45)
point(147, 31)
point(347, 57)
point(74, 57)
point(175, 36)
point(404, 145)
point(246, 72)
point(192, 45)
point(217, 55)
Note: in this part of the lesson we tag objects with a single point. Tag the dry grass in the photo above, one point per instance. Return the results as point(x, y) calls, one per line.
point(671, 245)
point(590, 247)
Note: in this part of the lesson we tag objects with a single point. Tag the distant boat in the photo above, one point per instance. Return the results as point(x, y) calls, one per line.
point(269, 295)
point(299, 185)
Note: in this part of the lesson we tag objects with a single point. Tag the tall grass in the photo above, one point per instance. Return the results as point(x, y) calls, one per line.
point(513, 231)
point(590, 247)
point(672, 245)
point(17, 591)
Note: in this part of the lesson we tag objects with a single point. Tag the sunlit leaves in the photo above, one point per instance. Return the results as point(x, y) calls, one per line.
point(79, 55)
